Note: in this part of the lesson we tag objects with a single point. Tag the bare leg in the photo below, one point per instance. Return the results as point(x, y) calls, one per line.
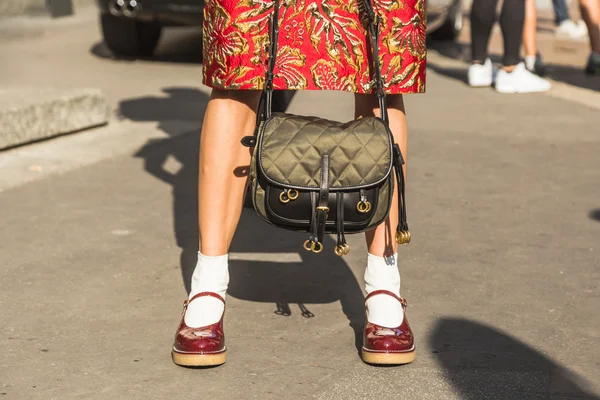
point(381, 240)
point(223, 167)
point(529, 29)
point(590, 12)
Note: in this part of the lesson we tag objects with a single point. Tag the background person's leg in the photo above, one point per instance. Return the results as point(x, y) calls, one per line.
point(483, 16)
point(565, 26)
point(561, 11)
point(533, 60)
point(590, 12)
point(512, 20)
point(514, 77)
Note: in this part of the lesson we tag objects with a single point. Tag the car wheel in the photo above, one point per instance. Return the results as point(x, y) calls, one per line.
point(129, 37)
point(453, 24)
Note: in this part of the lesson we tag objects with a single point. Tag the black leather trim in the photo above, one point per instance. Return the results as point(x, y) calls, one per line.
point(304, 202)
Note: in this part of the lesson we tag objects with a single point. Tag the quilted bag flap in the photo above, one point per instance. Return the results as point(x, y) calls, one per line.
point(291, 147)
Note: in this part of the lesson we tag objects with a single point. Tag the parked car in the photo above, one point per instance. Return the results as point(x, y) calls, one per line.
point(132, 28)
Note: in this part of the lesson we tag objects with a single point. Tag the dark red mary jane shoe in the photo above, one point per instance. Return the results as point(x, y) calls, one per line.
point(199, 347)
point(384, 345)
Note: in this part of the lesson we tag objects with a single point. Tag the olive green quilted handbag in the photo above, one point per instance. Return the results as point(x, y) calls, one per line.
point(319, 176)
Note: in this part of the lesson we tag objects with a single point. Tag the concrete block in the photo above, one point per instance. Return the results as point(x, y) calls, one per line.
point(10, 8)
point(31, 114)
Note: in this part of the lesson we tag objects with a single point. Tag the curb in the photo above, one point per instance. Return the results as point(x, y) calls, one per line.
point(32, 114)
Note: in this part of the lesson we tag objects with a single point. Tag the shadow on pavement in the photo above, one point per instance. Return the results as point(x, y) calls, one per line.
point(483, 362)
point(177, 45)
point(308, 279)
point(462, 52)
point(595, 214)
point(181, 104)
point(311, 279)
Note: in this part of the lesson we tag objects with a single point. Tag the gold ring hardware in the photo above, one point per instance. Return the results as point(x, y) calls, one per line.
point(363, 207)
point(342, 250)
point(308, 245)
point(326, 209)
point(403, 237)
point(346, 249)
point(316, 249)
point(292, 194)
point(284, 198)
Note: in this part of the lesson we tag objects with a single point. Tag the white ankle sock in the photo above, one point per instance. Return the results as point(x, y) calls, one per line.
point(210, 275)
point(530, 62)
point(382, 274)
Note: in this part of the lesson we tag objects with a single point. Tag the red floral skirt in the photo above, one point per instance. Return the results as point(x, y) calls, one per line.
point(322, 45)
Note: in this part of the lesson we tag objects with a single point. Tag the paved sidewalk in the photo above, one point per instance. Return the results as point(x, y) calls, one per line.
point(501, 278)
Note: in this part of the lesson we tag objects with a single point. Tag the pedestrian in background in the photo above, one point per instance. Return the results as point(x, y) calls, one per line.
point(590, 11)
point(565, 26)
point(513, 77)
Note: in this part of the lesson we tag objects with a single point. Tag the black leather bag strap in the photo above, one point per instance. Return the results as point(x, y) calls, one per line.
point(266, 98)
point(372, 20)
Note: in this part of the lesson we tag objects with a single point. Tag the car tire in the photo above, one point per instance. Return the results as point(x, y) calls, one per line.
point(451, 28)
point(129, 37)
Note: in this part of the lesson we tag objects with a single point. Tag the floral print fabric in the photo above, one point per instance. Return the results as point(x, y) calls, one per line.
point(322, 45)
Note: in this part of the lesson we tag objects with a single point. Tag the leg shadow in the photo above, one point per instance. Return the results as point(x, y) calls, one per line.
point(298, 278)
point(269, 265)
point(595, 214)
point(257, 274)
point(485, 363)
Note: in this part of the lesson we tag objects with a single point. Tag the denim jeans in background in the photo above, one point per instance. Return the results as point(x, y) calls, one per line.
point(561, 11)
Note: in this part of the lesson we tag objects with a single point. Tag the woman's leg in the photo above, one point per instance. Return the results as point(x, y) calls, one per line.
point(590, 12)
point(512, 19)
point(533, 59)
point(222, 176)
point(561, 11)
point(381, 240)
point(223, 167)
point(514, 77)
point(530, 28)
point(382, 261)
point(483, 16)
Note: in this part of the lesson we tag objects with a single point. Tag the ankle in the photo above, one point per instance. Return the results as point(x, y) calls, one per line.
point(382, 274)
point(210, 275)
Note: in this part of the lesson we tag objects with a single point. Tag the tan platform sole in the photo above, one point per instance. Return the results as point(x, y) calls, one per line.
point(199, 360)
point(388, 358)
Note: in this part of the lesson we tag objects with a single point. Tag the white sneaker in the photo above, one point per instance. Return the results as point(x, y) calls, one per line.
point(583, 31)
point(571, 30)
point(520, 80)
point(481, 75)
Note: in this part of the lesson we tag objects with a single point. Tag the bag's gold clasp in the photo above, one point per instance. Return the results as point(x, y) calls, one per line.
point(342, 250)
point(288, 195)
point(363, 206)
point(315, 247)
point(403, 237)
